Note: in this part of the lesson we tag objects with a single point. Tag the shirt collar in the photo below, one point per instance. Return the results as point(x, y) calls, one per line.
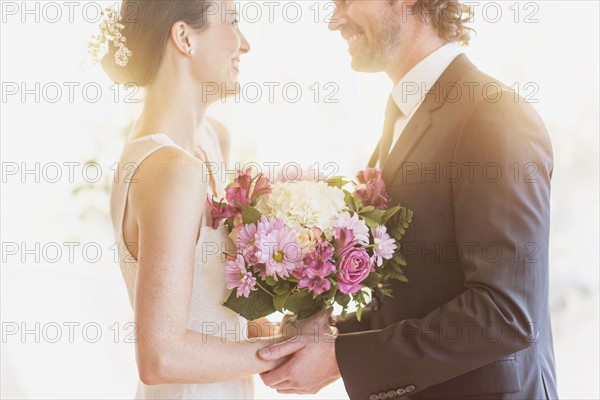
point(410, 92)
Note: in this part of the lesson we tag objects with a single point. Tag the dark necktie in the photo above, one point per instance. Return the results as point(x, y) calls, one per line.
point(392, 113)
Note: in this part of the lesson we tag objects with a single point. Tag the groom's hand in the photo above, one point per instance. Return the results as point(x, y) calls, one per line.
point(312, 365)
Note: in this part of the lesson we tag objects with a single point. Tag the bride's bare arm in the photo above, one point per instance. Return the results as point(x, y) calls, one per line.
point(165, 203)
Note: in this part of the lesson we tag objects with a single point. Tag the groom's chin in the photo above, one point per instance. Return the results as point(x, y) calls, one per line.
point(364, 66)
point(365, 63)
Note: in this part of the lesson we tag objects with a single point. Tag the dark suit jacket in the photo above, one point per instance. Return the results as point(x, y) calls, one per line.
point(474, 164)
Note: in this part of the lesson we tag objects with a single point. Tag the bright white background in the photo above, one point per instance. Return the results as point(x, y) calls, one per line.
point(557, 55)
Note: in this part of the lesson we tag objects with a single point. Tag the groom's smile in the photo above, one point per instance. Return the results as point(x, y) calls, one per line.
point(353, 40)
point(371, 29)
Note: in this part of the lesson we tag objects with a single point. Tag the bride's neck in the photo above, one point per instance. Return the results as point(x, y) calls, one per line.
point(173, 109)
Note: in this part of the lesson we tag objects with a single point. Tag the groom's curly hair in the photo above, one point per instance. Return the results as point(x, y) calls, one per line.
point(449, 18)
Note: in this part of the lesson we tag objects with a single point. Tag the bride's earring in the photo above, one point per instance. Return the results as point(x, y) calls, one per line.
point(191, 52)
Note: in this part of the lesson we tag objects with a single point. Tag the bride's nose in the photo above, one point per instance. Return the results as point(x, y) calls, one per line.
point(245, 46)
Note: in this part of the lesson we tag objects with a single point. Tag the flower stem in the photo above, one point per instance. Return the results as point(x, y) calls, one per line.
point(262, 287)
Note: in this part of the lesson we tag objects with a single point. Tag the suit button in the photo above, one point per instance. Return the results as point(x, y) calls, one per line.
point(392, 394)
point(382, 396)
point(410, 388)
point(373, 397)
point(374, 304)
point(400, 392)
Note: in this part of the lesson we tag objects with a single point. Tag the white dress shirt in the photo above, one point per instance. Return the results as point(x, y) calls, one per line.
point(410, 92)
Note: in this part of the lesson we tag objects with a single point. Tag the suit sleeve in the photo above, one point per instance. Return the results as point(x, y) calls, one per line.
point(502, 213)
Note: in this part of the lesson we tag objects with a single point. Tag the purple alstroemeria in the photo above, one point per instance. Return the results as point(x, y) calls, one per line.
point(318, 266)
point(371, 189)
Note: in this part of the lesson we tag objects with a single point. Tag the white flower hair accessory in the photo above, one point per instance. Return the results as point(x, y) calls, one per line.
point(110, 31)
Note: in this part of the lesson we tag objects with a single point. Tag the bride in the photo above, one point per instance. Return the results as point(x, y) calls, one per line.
point(188, 345)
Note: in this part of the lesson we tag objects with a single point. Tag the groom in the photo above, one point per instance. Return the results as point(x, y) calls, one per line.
point(474, 162)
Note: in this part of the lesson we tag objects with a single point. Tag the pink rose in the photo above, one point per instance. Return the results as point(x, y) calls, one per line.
point(355, 266)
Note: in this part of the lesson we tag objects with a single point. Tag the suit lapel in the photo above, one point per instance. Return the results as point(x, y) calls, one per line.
point(420, 123)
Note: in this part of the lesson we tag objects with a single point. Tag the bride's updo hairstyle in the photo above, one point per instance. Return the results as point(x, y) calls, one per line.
point(147, 26)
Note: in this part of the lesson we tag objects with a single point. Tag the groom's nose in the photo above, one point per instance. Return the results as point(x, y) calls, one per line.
point(337, 18)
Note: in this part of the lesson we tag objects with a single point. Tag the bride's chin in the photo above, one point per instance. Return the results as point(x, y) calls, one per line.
point(230, 89)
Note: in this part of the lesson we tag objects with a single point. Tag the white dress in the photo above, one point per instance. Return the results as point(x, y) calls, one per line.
point(207, 314)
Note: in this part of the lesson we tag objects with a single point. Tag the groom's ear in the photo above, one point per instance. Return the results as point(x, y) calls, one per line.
point(180, 36)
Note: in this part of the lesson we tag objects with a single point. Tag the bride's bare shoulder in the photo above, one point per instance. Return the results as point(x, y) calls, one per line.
point(164, 176)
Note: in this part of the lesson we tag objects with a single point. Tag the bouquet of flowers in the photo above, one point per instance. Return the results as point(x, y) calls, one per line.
point(303, 246)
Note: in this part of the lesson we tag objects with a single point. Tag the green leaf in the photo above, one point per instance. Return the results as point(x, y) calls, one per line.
point(389, 214)
point(398, 275)
point(375, 215)
point(309, 312)
point(409, 215)
point(229, 224)
point(398, 232)
point(302, 304)
point(279, 301)
point(282, 287)
point(350, 201)
point(366, 209)
point(337, 181)
point(370, 222)
point(332, 293)
point(399, 259)
point(359, 297)
point(270, 281)
point(342, 299)
point(372, 280)
point(402, 213)
point(359, 312)
point(259, 304)
point(399, 223)
point(250, 215)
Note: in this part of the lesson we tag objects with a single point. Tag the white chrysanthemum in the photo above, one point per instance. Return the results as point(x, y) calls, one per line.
point(304, 203)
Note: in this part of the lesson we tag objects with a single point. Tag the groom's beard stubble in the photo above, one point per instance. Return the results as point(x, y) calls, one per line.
point(376, 54)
